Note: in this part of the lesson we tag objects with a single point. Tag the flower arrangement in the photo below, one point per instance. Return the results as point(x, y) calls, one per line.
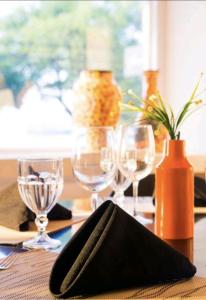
point(155, 110)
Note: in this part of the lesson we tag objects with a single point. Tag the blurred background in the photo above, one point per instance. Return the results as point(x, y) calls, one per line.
point(44, 46)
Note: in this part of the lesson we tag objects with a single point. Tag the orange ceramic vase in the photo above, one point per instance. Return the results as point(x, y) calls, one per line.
point(174, 193)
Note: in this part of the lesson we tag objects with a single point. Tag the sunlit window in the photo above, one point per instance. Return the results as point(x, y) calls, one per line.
point(44, 45)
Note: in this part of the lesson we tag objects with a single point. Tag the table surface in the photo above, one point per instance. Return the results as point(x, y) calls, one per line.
point(28, 277)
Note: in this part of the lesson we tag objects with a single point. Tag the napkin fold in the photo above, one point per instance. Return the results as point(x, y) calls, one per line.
point(113, 251)
point(12, 208)
point(15, 215)
point(57, 213)
point(145, 189)
point(200, 192)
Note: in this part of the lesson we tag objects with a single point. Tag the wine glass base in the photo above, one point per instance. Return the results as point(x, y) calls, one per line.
point(42, 241)
point(142, 220)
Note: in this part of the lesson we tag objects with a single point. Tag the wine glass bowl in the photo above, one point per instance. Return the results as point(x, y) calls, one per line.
point(40, 183)
point(92, 160)
point(136, 163)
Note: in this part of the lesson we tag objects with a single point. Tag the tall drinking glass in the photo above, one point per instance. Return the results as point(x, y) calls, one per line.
point(136, 156)
point(40, 183)
point(93, 159)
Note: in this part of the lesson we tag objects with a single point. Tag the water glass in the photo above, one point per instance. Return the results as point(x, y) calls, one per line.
point(40, 183)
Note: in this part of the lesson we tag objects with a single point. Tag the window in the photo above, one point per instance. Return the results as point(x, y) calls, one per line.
point(43, 47)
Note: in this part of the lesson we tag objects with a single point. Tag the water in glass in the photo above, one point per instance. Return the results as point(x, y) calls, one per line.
point(40, 193)
point(40, 183)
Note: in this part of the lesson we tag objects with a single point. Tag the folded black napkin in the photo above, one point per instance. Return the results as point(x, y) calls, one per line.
point(113, 251)
point(147, 186)
point(200, 192)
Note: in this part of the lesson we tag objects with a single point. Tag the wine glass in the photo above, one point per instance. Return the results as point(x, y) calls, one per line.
point(136, 156)
point(93, 159)
point(119, 184)
point(40, 183)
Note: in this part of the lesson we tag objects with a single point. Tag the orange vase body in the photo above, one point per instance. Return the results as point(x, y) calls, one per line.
point(174, 193)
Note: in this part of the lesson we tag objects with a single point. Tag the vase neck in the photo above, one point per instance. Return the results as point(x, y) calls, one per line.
point(176, 148)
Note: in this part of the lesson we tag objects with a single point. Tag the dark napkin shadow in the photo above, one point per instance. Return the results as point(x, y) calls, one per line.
point(15, 215)
point(58, 212)
point(112, 251)
point(147, 186)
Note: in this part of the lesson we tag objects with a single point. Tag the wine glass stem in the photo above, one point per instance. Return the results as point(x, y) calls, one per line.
point(41, 222)
point(119, 197)
point(94, 200)
point(135, 195)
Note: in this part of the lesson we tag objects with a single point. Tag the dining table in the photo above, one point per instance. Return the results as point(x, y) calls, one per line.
point(28, 277)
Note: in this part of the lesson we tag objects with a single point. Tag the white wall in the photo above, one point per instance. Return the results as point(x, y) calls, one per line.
point(182, 57)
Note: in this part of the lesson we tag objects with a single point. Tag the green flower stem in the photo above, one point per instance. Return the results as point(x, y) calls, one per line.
point(162, 114)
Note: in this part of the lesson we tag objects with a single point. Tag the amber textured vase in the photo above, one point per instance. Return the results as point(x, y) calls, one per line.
point(97, 97)
point(160, 133)
point(174, 193)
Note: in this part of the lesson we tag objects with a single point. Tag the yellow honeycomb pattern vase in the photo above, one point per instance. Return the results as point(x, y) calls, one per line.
point(97, 99)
